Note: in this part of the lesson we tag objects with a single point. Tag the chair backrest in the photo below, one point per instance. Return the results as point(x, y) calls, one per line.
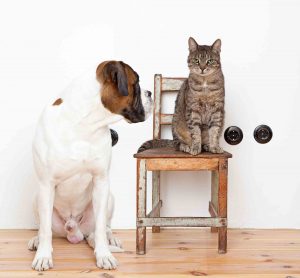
point(161, 85)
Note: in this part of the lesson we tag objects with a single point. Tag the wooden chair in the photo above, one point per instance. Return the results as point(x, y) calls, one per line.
point(167, 159)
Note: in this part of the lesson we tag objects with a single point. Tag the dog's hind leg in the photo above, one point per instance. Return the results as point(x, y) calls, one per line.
point(91, 242)
point(112, 240)
point(33, 243)
point(87, 227)
point(57, 228)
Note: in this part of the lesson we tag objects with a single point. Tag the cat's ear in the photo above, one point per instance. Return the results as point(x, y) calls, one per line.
point(217, 46)
point(192, 44)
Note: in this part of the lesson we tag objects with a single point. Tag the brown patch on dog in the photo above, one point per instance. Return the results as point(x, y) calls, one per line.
point(111, 97)
point(59, 101)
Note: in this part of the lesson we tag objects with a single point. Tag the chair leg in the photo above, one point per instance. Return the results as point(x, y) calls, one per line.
point(213, 204)
point(222, 240)
point(141, 206)
point(141, 240)
point(155, 196)
point(222, 204)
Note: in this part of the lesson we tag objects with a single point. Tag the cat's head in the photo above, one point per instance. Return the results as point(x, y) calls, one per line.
point(204, 59)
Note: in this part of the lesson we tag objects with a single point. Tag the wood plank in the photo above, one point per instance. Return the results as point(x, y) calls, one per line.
point(172, 253)
point(88, 273)
point(158, 246)
point(212, 210)
point(166, 119)
point(181, 222)
point(213, 204)
point(170, 84)
point(157, 106)
point(222, 204)
point(155, 210)
point(262, 235)
point(141, 202)
point(141, 188)
point(179, 164)
point(101, 274)
point(172, 153)
point(214, 189)
point(156, 197)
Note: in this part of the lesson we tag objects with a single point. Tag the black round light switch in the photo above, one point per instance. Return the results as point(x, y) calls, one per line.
point(233, 135)
point(114, 137)
point(263, 134)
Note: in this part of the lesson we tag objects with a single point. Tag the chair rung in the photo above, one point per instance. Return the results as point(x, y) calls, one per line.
point(166, 119)
point(155, 209)
point(182, 222)
point(212, 210)
point(171, 84)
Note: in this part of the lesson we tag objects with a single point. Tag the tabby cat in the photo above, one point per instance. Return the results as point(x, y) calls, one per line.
point(199, 109)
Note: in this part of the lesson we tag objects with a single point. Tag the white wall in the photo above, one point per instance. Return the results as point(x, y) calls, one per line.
point(44, 44)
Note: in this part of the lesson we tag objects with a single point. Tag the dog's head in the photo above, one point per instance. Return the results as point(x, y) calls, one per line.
point(121, 93)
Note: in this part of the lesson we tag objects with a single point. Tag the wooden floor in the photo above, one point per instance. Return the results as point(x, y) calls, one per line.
point(172, 253)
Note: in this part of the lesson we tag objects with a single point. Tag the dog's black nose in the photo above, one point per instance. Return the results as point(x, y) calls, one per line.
point(148, 93)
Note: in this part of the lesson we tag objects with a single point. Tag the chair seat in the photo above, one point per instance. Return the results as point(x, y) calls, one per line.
point(172, 153)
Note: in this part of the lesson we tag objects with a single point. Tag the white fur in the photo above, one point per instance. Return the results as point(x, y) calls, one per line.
point(72, 153)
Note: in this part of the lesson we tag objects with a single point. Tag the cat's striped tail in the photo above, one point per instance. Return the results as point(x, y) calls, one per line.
point(157, 143)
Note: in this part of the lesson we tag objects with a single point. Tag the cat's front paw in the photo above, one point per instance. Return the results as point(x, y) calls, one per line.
point(216, 149)
point(184, 148)
point(195, 149)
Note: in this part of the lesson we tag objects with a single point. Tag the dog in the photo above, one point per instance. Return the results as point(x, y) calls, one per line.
point(72, 153)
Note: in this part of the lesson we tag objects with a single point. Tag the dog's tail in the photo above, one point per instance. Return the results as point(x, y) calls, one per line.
point(115, 249)
point(157, 143)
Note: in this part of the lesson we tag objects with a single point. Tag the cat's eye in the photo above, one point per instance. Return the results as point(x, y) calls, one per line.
point(210, 61)
point(196, 61)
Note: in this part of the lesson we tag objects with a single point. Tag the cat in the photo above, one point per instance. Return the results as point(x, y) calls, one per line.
point(198, 119)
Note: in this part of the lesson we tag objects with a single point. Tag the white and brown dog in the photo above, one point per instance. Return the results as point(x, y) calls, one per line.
point(72, 153)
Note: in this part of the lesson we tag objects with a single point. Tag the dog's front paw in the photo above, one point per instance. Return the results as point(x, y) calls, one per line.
point(216, 149)
point(42, 262)
point(106, 260)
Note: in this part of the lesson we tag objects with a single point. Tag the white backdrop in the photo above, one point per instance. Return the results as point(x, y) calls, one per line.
point(44, 44)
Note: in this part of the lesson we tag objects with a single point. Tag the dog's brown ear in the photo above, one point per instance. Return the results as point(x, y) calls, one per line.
point(115, 71)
